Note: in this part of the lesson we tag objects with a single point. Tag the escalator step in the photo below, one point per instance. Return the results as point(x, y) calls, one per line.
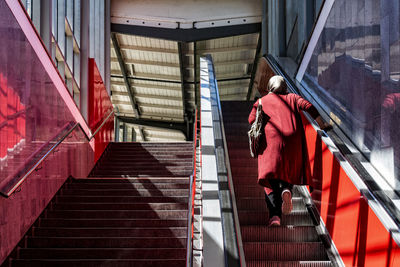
point(285, 251)
point(289, 264)
point(103, 263)
point(289, 233)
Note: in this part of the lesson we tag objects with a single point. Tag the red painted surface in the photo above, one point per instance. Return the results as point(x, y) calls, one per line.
point(358, 234)
point(100, 107)
point(34, 105)
point(12, 119)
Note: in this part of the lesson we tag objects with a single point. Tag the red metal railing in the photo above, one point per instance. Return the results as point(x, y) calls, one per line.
point(190, 233)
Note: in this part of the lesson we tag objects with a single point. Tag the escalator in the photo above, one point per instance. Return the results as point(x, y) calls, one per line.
point(132, 210)
point(296, 242)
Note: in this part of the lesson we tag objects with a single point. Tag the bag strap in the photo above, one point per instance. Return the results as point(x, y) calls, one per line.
point(259, 101)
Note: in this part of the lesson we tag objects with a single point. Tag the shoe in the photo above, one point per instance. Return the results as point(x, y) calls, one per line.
point(287, 204)
point(274, 221)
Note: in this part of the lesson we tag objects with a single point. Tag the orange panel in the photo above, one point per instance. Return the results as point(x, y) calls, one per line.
point(358, 234)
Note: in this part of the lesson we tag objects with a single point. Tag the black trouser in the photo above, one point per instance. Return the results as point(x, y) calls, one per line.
point(274, 199)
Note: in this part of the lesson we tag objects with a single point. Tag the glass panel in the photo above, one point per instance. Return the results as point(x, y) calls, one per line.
point(77, 21)
point(31, 110)
point(31, 113)
point(355, 72)
point(299, 20)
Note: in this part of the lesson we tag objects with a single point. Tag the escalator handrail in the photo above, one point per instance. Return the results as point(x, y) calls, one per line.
point(29, 172)
point(192, 190)
point(230, 181)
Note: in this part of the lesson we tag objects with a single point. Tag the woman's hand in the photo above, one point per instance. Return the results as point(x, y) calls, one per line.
point(323, 125)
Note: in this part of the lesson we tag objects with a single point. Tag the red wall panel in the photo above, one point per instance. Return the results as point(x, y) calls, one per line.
point(99, 107)
point(358, 234)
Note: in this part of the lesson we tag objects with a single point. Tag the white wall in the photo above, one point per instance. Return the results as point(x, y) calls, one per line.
point(184, 11)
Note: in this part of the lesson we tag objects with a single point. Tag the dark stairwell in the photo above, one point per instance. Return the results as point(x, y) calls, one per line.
point(132, 210)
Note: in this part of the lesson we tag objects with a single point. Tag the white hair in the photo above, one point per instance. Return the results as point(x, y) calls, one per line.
point(277, 85)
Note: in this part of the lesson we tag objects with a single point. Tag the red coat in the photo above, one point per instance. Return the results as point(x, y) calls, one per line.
point(283, 153)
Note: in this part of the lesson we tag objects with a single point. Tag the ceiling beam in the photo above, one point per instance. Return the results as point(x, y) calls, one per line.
point(182, 71)
point(118, 75)
point(141, 132)
point(161, 135)
point(187, 35)
point(147, 62)
point(176, 65)
point(254, 69)
point(152, 115)
point(148, 49)
point(232, 85)
point(233, 62)
point(160, 97)
point(196, 101)
point(146, 85)
point(230, 76)
point(156, 124)
point(226, 49)
point(233, 79)
point(124, 75)
point(169, 107)
point(189, 52)
point(158, 77)
point(148, 105)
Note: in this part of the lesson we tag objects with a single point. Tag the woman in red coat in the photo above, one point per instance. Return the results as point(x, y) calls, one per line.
point(283, 158)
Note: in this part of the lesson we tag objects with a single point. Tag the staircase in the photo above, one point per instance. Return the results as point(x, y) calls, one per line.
point(295, 242)
point(131, 211)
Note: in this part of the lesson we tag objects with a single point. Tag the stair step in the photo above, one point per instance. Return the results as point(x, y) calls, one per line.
point(299, 218)
point(110, 232)
point(117, 173)
point(287, 233)
point(301, 263)
point(106, 242)
point(148, 223)
point(123, 199)
point(146, 164)
point(285, 251)
point(151, 151)
point(119, 206)
point(115, 145)
point(154, 169)
point(117, 214)
point(102, 253)
point(127, 192)
point(103, 263)
point(123, 156)
point(90, 185)
point(142, 180)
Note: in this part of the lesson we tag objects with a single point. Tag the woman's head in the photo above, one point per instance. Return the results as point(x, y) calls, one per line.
point(277, 85)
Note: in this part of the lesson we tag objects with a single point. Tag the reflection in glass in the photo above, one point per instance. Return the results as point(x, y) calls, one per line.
point(31, 110)
point(355, 72)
